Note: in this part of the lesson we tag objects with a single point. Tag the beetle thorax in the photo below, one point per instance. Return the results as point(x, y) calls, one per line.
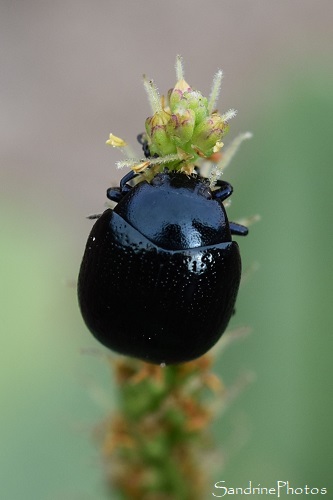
point(175, 212)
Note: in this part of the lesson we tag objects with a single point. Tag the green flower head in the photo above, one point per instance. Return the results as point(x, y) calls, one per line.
point(184, 122)
point(184, 131)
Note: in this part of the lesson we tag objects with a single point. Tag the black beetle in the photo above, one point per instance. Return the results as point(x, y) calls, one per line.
point(160, 272)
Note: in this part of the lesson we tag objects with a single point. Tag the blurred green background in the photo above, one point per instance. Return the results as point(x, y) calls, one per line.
point(70, 75)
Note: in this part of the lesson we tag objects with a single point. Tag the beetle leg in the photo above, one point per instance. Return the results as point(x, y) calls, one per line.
point(125, 179)
point(115, 193)
point(93, 216)
point(224, 191)
point(144, 144)
point(238, 229)
point(140, 139)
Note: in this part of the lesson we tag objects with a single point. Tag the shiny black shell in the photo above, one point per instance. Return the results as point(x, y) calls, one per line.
point(160, 272)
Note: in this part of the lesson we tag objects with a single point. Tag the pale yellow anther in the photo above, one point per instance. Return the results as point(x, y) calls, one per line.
point(116, 142)
point(218, 146)
point(140, 167)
